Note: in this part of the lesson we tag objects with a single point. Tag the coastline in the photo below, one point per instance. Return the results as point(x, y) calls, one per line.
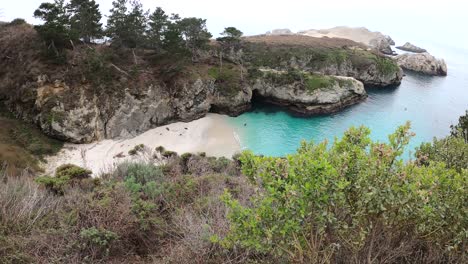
point(211, 134)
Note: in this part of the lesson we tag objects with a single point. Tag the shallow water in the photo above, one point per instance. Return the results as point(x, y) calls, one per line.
point(431, 104)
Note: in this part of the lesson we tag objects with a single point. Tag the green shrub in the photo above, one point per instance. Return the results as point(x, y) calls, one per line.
point(99, 240)
point(351, 194)
point(135, 150)
point(17, 21)
point(70, 171)
point(168, 154)
point(160, 149)
point(65, 175)
point(451, 150)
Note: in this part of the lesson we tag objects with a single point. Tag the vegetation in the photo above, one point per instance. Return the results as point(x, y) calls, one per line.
point(85, 19)
point(354, 201)
point(308, 81)
point(136, 149)
point(451, 150)
point(23, 145)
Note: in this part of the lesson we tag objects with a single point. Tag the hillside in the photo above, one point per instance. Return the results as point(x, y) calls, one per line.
point(122, 92)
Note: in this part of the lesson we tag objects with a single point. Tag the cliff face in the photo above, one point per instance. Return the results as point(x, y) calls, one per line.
point(422, 62)
point(310, 94)
point(97, 92)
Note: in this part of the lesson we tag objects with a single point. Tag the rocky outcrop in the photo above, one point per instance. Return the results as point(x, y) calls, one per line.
point(411, 48)
point(422, 62)
point(334, 94)
point(125, 97)
point(372, 39)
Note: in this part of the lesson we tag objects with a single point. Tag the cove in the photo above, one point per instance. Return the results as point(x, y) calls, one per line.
point(431, 104)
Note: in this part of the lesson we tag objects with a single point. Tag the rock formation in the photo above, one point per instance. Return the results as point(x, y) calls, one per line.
point(119, 98)
point(328, 97)
point(422, 62)
point(411, 48)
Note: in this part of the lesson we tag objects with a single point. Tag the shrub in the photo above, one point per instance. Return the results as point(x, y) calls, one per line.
point(168, 154)
point(98, 241)
point(160, 149)
point(17, 21)
point(451, 150)
point(135, 150)
point(353, 201)
point(65, 175)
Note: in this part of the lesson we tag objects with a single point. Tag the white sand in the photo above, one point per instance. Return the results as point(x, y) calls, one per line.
point(211, 134)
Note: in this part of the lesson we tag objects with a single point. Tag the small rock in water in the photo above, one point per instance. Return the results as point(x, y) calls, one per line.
point(180, 134)
point(167, 128)
point(245, 124)
point(160, 134)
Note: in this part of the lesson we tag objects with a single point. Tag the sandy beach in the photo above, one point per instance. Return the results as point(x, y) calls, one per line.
point(211, 134)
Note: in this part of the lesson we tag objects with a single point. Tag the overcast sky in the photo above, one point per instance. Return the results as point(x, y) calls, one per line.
point(407, 18)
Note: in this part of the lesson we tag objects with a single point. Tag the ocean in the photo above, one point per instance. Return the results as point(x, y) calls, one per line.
point(431, 104)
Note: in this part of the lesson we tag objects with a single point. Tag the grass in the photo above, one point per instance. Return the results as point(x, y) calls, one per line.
point(23, 145)
point(281, 57)
point(309, 81)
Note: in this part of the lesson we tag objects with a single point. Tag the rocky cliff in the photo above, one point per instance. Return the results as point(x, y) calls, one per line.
point(96, 92)
point(422, 62)
point(309, 94)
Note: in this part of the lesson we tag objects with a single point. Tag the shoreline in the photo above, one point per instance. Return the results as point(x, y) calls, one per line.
point(210, 134)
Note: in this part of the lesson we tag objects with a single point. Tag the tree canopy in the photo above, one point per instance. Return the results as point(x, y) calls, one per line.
point(85, 19)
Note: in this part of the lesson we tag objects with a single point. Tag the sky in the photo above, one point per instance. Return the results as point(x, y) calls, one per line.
point(430, 19)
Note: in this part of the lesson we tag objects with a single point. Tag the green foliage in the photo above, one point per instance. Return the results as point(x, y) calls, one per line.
point(85, 19)
point(231, 36)
point(135, 150)
point(96, 68)
point(314, 81)
point(56, 30)
point(98, 239)
point(227, 79)
point(348, 191)
point(461, 129)
point(158, 23)
point(65, 176)
point(72, 172)
point(194, 32)
point(17, 21)
point(169, 153)
point(160, 149)
point(309, 81)
point(127, 27)
point(451, 150)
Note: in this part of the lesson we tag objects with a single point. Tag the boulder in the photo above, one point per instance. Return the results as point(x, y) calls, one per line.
point(411, 48)
point(422, 62)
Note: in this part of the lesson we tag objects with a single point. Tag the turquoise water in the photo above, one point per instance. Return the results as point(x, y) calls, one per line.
point(431, 104)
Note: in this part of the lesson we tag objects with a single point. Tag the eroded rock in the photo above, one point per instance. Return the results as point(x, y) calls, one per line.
point(422, 62)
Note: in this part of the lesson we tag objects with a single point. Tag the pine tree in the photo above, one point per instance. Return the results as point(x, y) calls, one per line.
point(194, 33)
point(56, 28)
point(158, 24)
point(127, 27)
point(137, 23)
point(85, 19)
point(117, 29)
